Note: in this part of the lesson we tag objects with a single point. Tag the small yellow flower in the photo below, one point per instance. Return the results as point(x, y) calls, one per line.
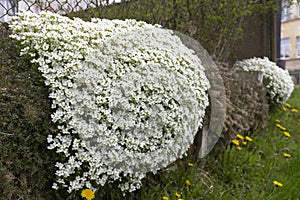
point(165, 198)
point(294, 110)
point(276, 183)
point(287, 134)
point(248, 138)
point(240, 136)
point(235, 141)
point(287, 155)
point(187, 182)
point(180, 199)
point(190, 164)
point(239, 148)
point(280, 127)
point(288, 105)
point(244, 143)
point(284, 109)
point(88, 194)
point(177, 194)
point(277, 120)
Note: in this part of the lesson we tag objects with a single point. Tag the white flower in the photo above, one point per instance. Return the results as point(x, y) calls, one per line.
point(129, 96)
point(55, 186)
point(277, 81)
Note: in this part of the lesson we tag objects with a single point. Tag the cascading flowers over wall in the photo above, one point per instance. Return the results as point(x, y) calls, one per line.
point(278, 82)
point(128, 96)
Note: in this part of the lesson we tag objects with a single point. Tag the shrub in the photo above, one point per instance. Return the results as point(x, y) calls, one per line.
point(25, 123)
point(247, 105)
point(277, 81)
point(129, 96)
point(219, 26)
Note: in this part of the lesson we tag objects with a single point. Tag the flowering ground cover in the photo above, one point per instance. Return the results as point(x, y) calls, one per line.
point(278, 82)
point(259, 165)
point(128, 97)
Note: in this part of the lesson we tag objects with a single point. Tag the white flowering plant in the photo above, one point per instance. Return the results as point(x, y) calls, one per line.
point(277, 81)
point(128, 97)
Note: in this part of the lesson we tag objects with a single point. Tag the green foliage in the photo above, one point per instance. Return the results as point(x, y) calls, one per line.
point(26, 166)
point(249, 173)
point(217, 25)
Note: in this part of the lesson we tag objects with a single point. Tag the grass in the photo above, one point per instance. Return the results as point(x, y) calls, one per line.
point(242, 174)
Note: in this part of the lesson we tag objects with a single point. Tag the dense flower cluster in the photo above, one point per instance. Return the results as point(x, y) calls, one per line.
point(277, 81)
point(129, 97)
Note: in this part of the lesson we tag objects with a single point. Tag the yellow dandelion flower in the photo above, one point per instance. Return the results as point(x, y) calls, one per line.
point(276, 183)
point(187, 182)
point(277, 120)
point(248, 138)
point(239, 148)
point(235, 141)
point(287, 134)
point(294, 110)
point(244, 143)
point(240, 136)
point(165, 198)
point(177, 194)
point(190, 164)
point(88, 194)
point(280, 127)
point(287, 155)
point(288, 105)
point(284, 109)
point(283, 128)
